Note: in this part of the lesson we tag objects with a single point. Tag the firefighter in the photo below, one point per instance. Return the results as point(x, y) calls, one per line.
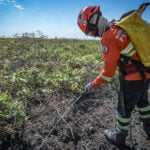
point(118, 53)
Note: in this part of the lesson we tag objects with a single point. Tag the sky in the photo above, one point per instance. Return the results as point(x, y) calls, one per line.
point(57, 18)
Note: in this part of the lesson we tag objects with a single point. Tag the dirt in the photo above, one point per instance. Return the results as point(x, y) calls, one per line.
point(81, 129)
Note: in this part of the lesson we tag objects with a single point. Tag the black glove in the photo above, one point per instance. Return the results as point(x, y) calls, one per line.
point(89, 88)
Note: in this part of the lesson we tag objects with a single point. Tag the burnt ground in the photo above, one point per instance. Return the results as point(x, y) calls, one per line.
point(81, 129)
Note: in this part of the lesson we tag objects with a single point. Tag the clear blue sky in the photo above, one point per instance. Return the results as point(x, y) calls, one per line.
point(56, 18)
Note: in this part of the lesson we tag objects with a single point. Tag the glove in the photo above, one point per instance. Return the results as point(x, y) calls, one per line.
point(89, 88)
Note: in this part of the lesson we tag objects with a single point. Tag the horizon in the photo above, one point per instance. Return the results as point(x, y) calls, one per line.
point(56, 18)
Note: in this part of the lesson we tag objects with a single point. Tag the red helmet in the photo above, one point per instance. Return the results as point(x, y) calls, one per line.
point(85, 16)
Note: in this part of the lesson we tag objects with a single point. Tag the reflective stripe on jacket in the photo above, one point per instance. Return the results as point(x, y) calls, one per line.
point(115, 42)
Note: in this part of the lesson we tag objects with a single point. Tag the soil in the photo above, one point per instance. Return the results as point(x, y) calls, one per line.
point(80, 129)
